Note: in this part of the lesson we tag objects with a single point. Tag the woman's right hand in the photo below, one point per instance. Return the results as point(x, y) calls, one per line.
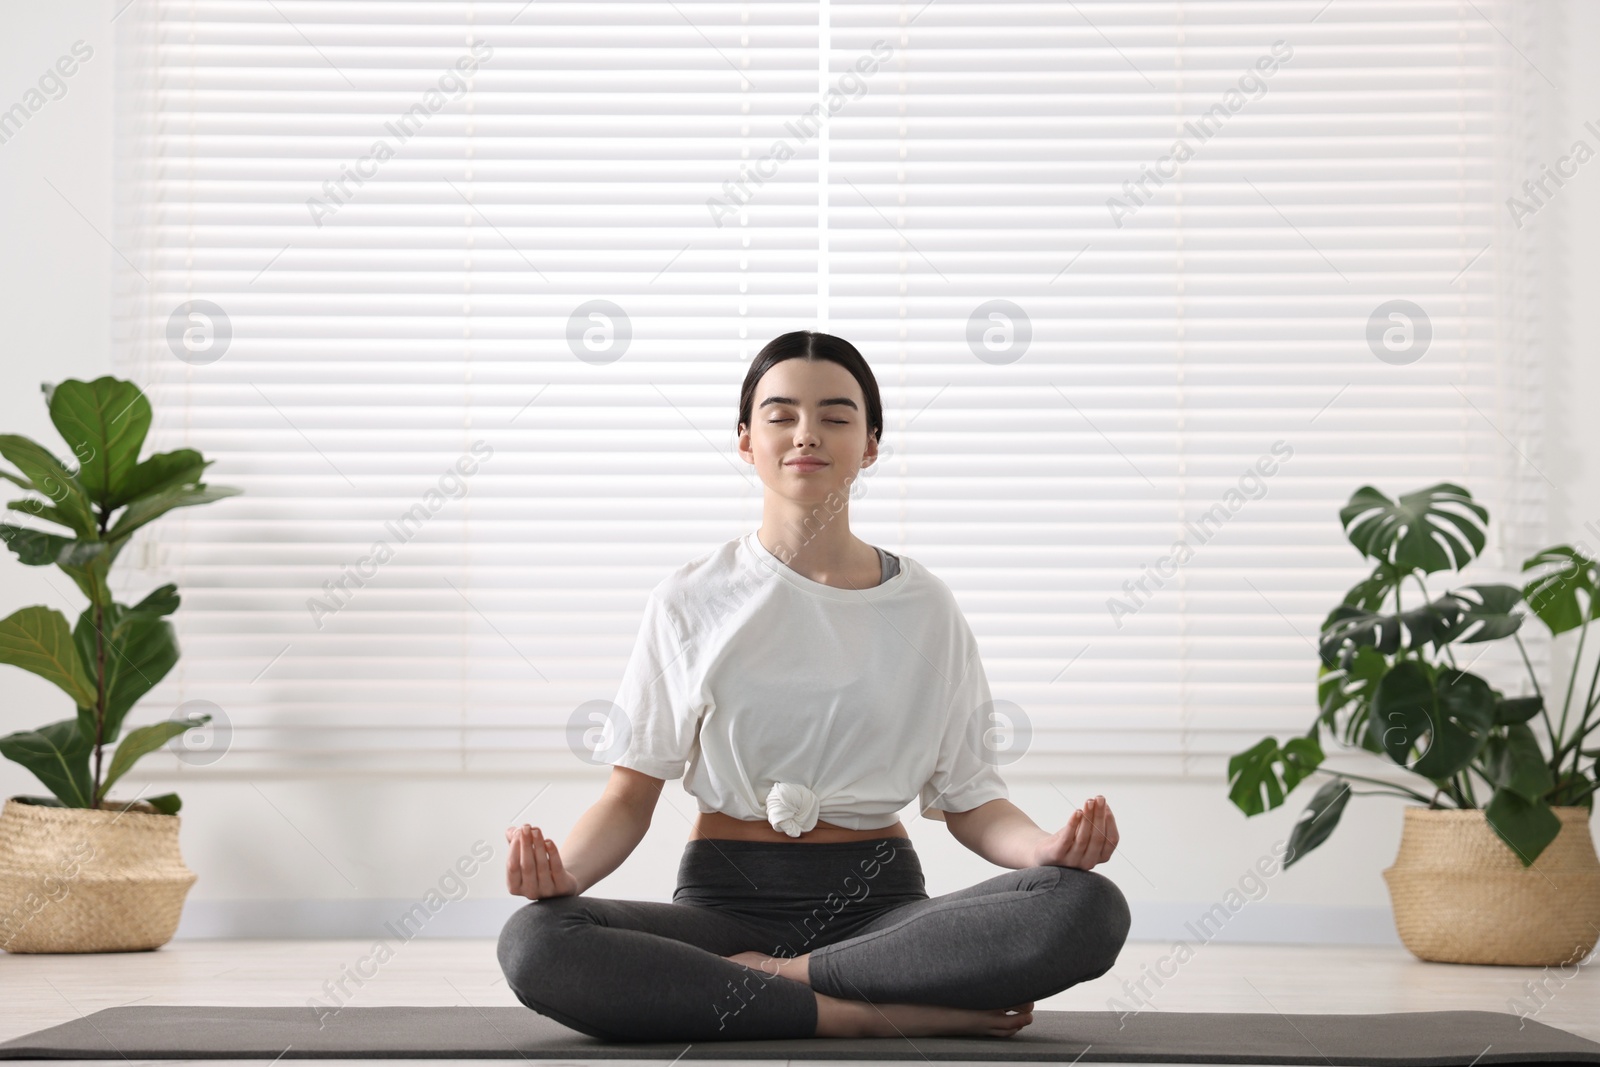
point(533, 866)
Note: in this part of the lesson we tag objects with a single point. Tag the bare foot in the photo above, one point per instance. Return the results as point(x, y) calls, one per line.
point(856, 1018)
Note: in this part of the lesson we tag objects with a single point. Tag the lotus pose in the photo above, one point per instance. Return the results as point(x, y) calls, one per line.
point(807, 686)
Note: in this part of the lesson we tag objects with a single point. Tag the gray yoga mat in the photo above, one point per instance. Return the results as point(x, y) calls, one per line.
point(192, 1031)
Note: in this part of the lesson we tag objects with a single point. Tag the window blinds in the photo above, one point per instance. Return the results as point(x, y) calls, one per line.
point(461, 295)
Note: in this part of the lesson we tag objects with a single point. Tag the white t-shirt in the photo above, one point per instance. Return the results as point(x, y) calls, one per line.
point(792, 701)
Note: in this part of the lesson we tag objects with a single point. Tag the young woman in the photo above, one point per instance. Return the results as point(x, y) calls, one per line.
point(811, 685)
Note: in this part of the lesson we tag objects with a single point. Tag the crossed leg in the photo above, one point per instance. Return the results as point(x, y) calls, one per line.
point(1017, 937)
point(627, 970)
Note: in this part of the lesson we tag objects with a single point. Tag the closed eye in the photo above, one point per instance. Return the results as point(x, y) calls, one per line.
point(841, 422)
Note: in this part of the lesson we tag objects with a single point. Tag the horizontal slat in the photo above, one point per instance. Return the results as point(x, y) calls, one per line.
point(430, 310)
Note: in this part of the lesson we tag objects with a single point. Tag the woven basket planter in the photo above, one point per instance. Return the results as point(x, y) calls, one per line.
point(89, 880)
point(1461, 895)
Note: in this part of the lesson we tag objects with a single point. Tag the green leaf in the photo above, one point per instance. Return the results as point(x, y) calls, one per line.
point(1517, 709)
point(1526, 826)
point(1486, 613)
point(1425, 531)
point(139, 651)
point(37, 640)
point(166, 803)
point(32, 505)
point(47, 475)
point(1470, 614)
point(163, 600)
point(1466, 706)
point(162, 471)
point(137, 657)
point(35, 548)
point(153, 507)
point(1318, 820)
point(1350, 685)
point(104, 422)
point(58, 755)
point(1373, 592)
point(1448, 714)
point(1351, 627)
point(1403, 710)
point(143, 741)
point(1555, 595)
point(86, 722)
point(88, 563)
point(1516, 762)
point(1251, 772)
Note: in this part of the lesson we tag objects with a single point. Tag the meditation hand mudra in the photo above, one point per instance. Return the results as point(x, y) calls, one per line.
point(805, 699)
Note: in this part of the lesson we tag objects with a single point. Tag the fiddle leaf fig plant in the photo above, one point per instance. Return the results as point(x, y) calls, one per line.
point(116, 653)
point(1389, 682)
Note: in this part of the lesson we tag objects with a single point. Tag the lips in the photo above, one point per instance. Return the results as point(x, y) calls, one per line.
point(806, 464)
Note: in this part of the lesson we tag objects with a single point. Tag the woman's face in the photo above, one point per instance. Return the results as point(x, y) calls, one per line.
point(812, 409)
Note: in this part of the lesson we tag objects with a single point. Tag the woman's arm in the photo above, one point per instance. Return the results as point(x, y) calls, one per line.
point(1002, 833)
point(612, 828)
point(999, 831)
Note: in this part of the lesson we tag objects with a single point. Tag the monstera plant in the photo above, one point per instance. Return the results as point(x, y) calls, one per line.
point(117, 652)
point(1390, 681)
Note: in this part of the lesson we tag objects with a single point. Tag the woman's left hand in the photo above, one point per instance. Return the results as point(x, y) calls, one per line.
point(1089, 838)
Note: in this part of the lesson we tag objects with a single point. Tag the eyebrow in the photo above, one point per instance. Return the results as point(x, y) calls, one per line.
point(832, 400)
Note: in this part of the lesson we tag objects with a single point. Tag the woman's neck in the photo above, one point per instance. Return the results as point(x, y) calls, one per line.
point(829, 555)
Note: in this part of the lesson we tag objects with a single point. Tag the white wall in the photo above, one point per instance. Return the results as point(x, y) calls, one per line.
point(290, 858)
point(55, 277)
point(1572, 327)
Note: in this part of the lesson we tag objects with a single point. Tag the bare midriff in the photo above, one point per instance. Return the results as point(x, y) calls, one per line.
point(724, 827)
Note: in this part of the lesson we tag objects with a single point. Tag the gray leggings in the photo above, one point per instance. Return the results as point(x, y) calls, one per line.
point(630, 970)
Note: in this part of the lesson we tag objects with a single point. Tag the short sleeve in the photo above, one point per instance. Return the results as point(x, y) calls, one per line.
point(660, 721)
point(966, 773)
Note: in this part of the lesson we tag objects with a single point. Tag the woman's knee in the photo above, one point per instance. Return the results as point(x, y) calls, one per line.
point(534, 942)
point(1096, 919)
point(539, 950)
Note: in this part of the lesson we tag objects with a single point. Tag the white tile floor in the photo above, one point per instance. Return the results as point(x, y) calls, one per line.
point(41, 990)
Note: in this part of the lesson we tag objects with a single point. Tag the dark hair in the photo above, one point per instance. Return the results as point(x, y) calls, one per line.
point(814, 346)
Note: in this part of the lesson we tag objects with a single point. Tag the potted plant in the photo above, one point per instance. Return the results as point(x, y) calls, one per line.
point(79, 872)
point(1513, 879)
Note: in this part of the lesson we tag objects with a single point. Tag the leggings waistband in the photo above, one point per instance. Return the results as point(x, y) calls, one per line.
point(705, 844)
point(753, 873)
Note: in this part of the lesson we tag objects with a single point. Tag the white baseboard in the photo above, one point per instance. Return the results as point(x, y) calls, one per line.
point(1263, 923)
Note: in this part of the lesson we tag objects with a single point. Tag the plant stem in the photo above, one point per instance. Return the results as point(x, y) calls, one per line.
point(1544, 712)
point(1486, 780)
point(1400, 653)
point(1378, 793)
point(1427, 598)
point(1576, 744)
point(1572, 684)
point(100, 699)
point(1375, 781)
point(1588, 709)
point(1574, 799)
point(101, 520)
